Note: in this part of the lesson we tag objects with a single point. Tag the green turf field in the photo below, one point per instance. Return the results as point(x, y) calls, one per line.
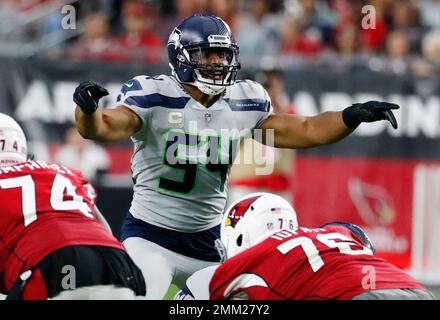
point(171, 292)
point(436, 292)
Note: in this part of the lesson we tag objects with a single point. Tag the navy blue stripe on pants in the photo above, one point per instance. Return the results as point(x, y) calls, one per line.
point(198, 245)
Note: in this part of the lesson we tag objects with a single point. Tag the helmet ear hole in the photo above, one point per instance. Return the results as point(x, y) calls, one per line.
point(240, 240)
point(14, 149)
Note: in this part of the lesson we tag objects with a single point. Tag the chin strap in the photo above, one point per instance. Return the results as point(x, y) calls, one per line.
point(221, 249)
point(208, 89)
point(211, 90)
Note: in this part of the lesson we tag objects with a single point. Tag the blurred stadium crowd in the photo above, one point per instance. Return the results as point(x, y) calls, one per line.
point(285, 33)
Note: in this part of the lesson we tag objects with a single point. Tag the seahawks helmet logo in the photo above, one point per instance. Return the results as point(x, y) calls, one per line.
point(174, 38)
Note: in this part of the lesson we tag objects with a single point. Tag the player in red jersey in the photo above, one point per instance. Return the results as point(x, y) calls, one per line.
point(51, 242)
point(270, 258)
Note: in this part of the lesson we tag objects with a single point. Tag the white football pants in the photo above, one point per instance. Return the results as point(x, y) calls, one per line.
point(161, 266)
point(101, 292)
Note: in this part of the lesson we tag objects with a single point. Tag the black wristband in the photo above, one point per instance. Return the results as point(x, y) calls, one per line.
point(350, 117)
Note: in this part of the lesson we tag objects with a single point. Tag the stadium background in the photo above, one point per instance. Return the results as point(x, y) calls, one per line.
point(311, 55)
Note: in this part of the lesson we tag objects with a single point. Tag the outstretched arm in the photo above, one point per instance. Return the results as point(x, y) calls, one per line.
point(102, 125)
point(293, 131)
point(108, 125)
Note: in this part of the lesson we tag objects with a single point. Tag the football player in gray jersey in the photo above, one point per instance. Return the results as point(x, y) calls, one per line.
point(186, 128)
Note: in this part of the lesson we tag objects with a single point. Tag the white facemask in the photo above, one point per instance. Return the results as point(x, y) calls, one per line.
point(209, 89)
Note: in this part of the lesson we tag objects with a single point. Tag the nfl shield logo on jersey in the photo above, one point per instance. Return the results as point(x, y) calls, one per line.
point(207, 117)
point(175, 119)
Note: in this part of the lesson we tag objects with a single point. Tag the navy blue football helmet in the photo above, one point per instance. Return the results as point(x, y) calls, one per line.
point(202, 51)
point(356, 230)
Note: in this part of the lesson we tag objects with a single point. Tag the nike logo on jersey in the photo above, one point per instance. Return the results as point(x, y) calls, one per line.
point(129, 84)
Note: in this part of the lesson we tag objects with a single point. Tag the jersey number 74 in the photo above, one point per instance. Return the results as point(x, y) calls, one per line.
point(61, 187)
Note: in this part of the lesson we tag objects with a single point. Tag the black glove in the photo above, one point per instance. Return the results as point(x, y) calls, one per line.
point(87, 95)
point(368, 112)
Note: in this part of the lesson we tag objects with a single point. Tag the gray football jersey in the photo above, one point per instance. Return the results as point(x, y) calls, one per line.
point(183, 153)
